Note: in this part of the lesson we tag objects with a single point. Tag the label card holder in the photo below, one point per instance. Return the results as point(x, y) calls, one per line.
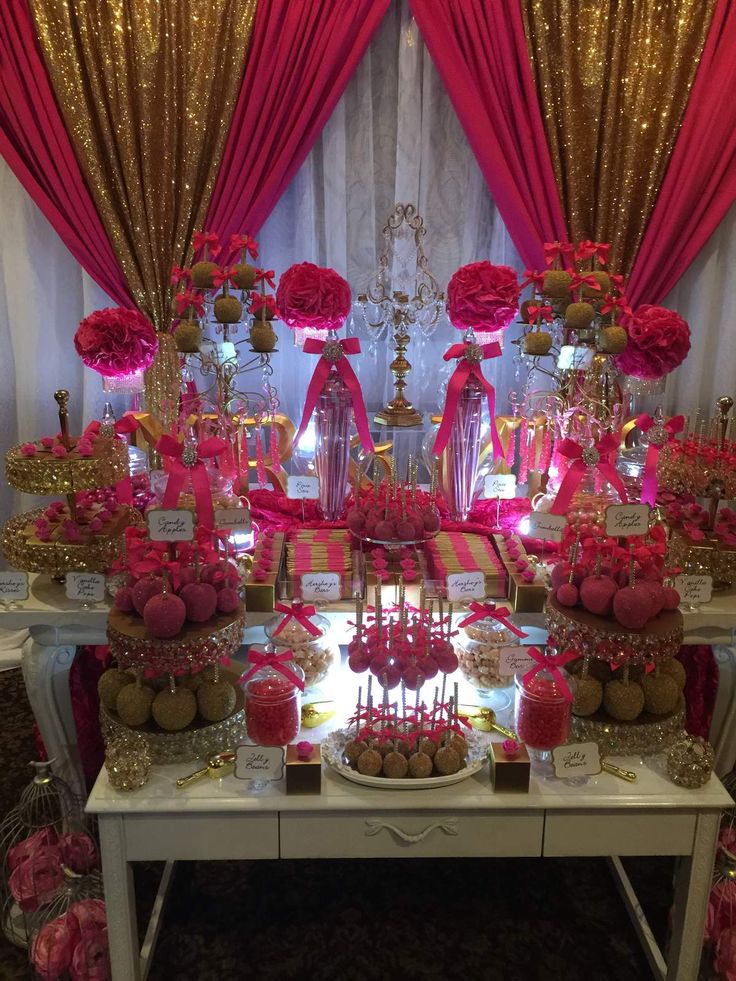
point(627, 520)
point(576, 760)
point(514, 660)
point(694, 590)
point(462, 586)
point(300, 488)
point(260, 763)
point(501, 485)
point(13, 587)
point(548, 527)
point(321, 587)
point(235, 519)
point(170, 525)
point(85, 587)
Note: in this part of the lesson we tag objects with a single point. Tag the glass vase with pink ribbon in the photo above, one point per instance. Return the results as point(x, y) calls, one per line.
point(318, 299)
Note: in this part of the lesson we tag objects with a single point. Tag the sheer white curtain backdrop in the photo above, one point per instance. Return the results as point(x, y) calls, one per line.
point(394, 137)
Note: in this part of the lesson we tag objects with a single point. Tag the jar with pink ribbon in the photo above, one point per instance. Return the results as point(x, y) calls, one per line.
point(307, 634)
point(273, 687)
point(543, 704)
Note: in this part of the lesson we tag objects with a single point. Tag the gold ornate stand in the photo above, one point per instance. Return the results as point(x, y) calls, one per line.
point(399, 411)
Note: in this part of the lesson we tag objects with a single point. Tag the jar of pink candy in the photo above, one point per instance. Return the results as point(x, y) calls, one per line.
point(273, 687)
point(543, 707)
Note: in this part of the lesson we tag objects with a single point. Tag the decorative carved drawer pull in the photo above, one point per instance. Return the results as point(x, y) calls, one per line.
point(448, 827)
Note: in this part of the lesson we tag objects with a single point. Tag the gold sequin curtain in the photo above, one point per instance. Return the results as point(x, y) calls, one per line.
point(147, 89)
point(614, 78)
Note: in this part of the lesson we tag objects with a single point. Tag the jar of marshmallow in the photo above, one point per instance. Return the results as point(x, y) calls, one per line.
point(307, 635)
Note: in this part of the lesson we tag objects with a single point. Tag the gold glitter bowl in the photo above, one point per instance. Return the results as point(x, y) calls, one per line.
point(195, 646)
point(193, 743)
point(647, 735)
point(45, 473)
point(605, 639)
point(23, 550)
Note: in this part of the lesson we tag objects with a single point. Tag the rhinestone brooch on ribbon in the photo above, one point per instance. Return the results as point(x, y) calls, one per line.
point(473, 353)
point(332, 351)
point(591, 456)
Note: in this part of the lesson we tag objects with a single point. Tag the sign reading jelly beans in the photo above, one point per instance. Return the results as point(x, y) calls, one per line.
point(466, 586)
point(13, 586)
point(259, 762)
point(302, 488)
point(576, 760)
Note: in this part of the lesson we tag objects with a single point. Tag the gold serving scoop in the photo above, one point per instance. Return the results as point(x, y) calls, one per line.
point(218, 766)
point(618, 771)
point(484, 719)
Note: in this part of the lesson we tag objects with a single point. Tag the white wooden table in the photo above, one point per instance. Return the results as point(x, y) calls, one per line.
point(606, 817)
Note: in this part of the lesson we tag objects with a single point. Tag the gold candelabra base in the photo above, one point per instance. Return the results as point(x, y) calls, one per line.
point(398, 413)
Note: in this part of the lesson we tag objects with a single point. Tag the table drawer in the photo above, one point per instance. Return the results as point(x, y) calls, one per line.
point(410, 834)
point(618, 832)
point(158, 837)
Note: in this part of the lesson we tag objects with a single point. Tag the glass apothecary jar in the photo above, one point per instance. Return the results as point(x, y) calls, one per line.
point(273, 705)
point(543, 711)
point(315, 654)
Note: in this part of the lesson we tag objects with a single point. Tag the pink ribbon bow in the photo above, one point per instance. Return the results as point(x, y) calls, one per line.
point(480, 611)
point(279, 662)
point(544, 311)
point(266, 276)
point(128, 424)
point(259, 300)
point(615, 303)
point(240, 243)
point(210, 239)
point(533, 278)
point(565, 251)
point(179, 471)
point(598, 456)
point(551, 663)
point(178, 274)
point(225, 274)
point(579, 280)
point(468, 368)
point(299, 612)
point(188, 298)
point(660, 434)
point(341, 365)
point(587, 250)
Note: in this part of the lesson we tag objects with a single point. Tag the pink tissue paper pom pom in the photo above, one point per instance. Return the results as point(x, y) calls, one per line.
point(313, 296)
point(483, 296)
point(116, 342)
point(658, 341)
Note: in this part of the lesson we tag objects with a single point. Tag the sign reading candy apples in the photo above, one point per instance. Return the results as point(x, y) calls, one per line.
point(321, 587)
point(13, 586)
point(548, 527)
point(302, 488)
point(501, 485)
point(170, 525)
point(627, 520)
point(466, 586)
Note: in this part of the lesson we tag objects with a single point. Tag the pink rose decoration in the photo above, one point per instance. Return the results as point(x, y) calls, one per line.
point(483, 296)
point(78, 852)
point(659, 341)
point(312, 296)
point(53, 947)
point(28, 449)
point(91, 958)
point(58, 450)
point(725, 959)
point(28, 846)
point(723, 900)
point(47, 441)
point(37, 880)
point(84, 448)
point(304, 749)
point(90, 914)
point(116, 342)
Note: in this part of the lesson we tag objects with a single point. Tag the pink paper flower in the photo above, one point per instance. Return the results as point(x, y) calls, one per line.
point(53, 947)
point(510, 747)
point(78, 852)
point(28, 449)
point(28, 846)
point(312, 296)
point(91, 958)
point(304, 749)
point(95, 524)
point(37, 880)
point(659, 341)
point(72, 532)
point(116, 342)
point(483, 296)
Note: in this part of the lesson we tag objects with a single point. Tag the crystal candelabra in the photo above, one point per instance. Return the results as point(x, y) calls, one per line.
point(392, 307)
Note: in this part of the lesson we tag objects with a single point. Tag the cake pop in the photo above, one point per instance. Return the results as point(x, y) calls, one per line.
point(352, 750)
point(395, 765)
point(420, 766)
point(370, 763)
point(447, 761)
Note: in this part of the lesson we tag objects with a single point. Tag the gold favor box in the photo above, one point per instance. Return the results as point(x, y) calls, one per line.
point(303, 776)
point(509, 774)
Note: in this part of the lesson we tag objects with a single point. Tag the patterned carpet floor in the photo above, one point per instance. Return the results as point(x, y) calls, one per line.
point(493, 920)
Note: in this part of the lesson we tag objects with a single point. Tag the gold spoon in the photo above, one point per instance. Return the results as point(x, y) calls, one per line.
point(217, 766)
point(484, 719)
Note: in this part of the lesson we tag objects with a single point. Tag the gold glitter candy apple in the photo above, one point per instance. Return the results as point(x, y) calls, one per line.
point(623, 700)
point(134, 704)
point(578, 316)
point(188, 336)
point(661, 693)
point(613, 340)
point(228, 309)
point(588, 695)
point(110, 685)
point(556, 284)
point(603, 280)
point(244, 275)
point(174, 708)
point(537, 342)
point(202, 273)
point(215, 700)
point(675, 669)
point(262, 336)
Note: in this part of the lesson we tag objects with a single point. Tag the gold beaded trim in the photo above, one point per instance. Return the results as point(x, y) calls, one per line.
point(614, 646)
point(48, 474)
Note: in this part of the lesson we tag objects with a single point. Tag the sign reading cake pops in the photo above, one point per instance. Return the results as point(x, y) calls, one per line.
point(548, 527)
point(627, 520)
point(86, 587)
point(501, 485)
point(694, 590)
point(170, 525)
point(300, 488)
point(466, 586)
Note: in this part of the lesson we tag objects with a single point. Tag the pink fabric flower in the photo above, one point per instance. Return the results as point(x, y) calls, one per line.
point(312, 296)
point(90, 914)
point(483, 296)
point(59, 450)
point(47, 441)
point(115, 342)
point(53, 947)
point(84, 448)
point(304, 749)
point(725, 959)
point(78, 852)
point(28, 846)
point(37, 880)
point(28, 449)
point(91, 958)
point(659, 341)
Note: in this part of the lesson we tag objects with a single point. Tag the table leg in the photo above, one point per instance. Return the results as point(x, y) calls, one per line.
point(46, 677)
point(693, 881)
point(117, 874)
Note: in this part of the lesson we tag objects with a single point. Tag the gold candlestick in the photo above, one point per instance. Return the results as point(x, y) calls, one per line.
point(399, 411)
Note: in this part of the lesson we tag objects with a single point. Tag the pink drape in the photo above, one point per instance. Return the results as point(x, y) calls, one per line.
point(479, 48)
point(699, 185)
point(36, 147)
point(302, 54)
